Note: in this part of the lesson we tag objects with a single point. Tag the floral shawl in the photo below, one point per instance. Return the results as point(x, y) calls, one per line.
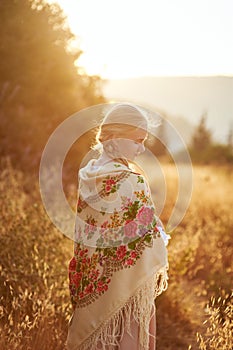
point(120, 258)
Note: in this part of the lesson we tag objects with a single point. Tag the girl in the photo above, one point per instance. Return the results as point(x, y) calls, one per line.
point(120, 261)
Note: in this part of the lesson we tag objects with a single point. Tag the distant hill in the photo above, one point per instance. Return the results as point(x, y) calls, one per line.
point(182, 99)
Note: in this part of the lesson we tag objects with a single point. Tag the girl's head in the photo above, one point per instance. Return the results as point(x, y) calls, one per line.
point(123, 131)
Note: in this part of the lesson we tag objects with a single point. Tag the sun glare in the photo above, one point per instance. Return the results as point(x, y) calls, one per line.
point(161, 38)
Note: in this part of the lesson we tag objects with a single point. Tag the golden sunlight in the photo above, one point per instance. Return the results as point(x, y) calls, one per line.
point(152, 38)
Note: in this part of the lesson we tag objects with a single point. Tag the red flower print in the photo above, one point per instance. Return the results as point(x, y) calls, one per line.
point(72, 264)
point(72, 290)
point(89, 288)
point(110, 182)
point(145, 215)
point(76, 278)
point(133, 255)
point(108, 188)
point(130, 229)
point(81, 295)
point(103, 227)
point(121, 252)
point(82, 252)
point(129, 261)
point(100, 286)
point(94, 275)
point(104, 224)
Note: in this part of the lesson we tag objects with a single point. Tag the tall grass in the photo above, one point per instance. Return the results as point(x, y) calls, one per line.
point(219, 333)
point(35, 306)
point(34, 293)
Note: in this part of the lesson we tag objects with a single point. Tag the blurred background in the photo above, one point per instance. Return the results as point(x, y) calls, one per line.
point(174, 58)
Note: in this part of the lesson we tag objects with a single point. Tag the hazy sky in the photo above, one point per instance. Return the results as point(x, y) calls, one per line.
point(131, 38)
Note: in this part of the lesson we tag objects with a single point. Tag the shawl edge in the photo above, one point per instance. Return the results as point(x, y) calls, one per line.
point(140, 306)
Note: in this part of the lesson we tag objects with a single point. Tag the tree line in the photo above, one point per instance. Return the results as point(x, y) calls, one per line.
point(202, 147)
point(40, 85)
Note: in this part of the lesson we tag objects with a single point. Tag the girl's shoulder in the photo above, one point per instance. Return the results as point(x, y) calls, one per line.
point(139, 182)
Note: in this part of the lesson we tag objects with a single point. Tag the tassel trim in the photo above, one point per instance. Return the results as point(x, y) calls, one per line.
point(140, 307)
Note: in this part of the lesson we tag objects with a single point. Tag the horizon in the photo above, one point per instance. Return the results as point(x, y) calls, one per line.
point(172, 76)
point(184, 98)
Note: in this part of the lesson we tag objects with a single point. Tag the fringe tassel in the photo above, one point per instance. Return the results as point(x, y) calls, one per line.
point(140, 307)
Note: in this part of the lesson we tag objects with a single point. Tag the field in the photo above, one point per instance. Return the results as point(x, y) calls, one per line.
point(195, 311)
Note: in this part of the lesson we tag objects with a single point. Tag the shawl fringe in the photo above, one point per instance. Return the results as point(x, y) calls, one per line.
point(140, 307)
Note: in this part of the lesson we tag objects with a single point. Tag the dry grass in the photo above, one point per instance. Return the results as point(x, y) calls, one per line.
point(200, 259)
point(219, 334)
point(35, 305)
point(34, 293)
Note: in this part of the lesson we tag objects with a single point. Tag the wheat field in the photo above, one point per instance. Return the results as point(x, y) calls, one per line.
point(194, 313)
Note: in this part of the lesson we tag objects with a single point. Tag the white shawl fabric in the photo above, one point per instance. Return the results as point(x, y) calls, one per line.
point(120, 260)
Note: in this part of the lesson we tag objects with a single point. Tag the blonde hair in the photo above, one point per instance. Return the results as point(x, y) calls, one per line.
point(121, 120)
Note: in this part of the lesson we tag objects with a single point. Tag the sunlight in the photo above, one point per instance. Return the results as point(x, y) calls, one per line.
point(128, 39)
